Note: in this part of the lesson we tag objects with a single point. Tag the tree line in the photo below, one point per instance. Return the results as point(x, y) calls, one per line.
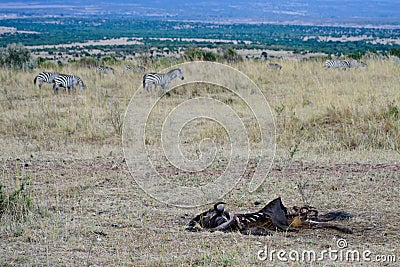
point(243, 36)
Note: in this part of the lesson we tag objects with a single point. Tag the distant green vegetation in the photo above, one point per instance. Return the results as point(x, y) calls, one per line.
point(297, 38)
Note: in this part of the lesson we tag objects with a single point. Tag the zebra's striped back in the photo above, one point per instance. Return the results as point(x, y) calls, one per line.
point(47, 77)
point(161, 79)
point(104, 70)
point(352, 63)
point(336, 64)
point(274, 66)
point(68, 82)
point(129, 68)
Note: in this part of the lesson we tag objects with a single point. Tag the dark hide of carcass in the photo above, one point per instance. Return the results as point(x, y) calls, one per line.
point(274, 216)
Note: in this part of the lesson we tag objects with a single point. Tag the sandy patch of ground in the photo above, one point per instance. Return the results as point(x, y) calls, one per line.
point(13, 30)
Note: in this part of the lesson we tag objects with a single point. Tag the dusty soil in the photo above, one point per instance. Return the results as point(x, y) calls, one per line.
point(91, 212)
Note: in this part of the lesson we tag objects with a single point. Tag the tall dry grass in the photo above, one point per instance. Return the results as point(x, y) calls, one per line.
point(327, 110)
point(332, 110)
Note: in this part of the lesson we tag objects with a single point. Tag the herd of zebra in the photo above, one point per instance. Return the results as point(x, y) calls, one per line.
point(69, 82)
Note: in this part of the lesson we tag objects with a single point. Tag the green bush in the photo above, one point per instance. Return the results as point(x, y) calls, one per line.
point(109, 60)
point(230, 55)
point(395, 52)
point(87, 62)
point(15, 56)
point(194, 53)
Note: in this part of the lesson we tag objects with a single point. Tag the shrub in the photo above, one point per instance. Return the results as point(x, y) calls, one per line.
point(15, 56)
point(194, 53)
point(230, 55)
point(108, 60)
point(395, 52)
point(87, 62)
point(17, 204)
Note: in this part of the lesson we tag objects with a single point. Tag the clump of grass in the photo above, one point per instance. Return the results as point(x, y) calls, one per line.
point(343, 127)
point(17, 204)
point(116, 117)
point(351, 128)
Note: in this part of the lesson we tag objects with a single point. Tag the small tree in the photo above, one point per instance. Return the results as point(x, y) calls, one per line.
point(15, 56)
point(231, 55)
point(264, 55)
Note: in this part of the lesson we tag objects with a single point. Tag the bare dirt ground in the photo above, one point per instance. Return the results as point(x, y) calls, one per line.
point(94, 214)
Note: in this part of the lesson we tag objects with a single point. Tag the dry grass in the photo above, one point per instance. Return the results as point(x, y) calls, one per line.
point(88, 210)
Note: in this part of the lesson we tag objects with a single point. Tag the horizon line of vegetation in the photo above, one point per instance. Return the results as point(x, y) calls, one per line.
point(262, 36)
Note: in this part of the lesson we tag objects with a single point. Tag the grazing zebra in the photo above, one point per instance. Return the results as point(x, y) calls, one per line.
point(274, 66)
point(68, 82)
point(134, 68)
point(336, 64)
point(161, 79)
point(352, 63)
point(104, 70)
point(47, 77)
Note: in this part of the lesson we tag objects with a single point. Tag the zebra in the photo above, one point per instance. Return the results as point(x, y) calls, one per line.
point(134, 68)
point(336, 64)
point(47, 77)
point(352, 63)
point(161, 79)
point(274, 66)
point(104, 70)
point(68, 82)
point(274, 216)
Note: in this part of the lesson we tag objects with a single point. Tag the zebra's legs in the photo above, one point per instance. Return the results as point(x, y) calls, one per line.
point(148, 87)
point(55, 88)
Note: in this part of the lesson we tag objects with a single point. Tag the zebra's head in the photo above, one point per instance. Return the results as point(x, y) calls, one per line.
point(53, 76)
point(363, 64)
point(179, 74)
point(209, 219)
point(218, 207)
point(79, 82)
point(82, 86)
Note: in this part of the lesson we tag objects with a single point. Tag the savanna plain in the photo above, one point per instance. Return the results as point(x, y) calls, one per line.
point(72, 201)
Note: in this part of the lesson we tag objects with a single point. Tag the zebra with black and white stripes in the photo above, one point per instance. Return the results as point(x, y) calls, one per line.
point(161, 79)
point(129, 68)
point(336, 64)
point(45, 77)
point(68, 82)
point(353, 63)
point(274, 66)
point(104, 70)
